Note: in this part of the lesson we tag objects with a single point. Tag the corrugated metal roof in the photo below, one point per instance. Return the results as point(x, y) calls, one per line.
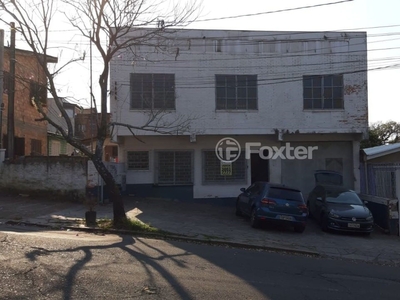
point(383, 150)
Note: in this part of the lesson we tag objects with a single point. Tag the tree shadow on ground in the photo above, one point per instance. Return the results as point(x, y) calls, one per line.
point(127, 241)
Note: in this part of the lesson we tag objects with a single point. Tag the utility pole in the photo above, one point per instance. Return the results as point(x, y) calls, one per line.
point(91, 96)
point(11, 96)
point(1, 85)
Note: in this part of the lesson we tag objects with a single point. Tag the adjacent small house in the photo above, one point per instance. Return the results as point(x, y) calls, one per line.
point(380, 171)
point(57, 145)
point(86, 131)
point(30, 81)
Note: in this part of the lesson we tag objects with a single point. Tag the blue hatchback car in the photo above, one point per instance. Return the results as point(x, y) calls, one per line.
point(264, 201)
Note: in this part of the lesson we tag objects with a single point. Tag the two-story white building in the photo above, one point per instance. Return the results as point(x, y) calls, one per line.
point(292, 89)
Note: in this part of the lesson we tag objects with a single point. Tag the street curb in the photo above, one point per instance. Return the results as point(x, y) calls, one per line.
point(174, 237)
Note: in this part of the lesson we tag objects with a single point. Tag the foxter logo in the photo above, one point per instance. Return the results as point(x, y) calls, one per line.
point(285, 152)
point(228, 150)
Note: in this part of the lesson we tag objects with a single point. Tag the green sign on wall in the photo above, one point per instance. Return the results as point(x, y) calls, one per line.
point(226, 169)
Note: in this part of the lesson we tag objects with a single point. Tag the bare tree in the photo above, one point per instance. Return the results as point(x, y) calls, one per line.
point(107, 24)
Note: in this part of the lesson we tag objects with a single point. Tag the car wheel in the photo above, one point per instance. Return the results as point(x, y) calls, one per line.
point(309, 211)
point(299, 229)
point(253, 218)
point(238, 212)
point(324, 223)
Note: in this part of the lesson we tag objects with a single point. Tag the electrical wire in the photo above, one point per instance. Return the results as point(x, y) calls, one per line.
point(271, 12)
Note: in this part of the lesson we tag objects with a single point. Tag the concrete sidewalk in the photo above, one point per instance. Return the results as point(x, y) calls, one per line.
point(210, 223)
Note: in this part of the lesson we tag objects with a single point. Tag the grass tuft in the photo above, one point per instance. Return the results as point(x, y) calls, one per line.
point(136, 225)
point(132, 225)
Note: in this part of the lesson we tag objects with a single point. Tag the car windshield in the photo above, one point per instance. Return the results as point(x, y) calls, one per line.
point(343, 197)
point(287, 194)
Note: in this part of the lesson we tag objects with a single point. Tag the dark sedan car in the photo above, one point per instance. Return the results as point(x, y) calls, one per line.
point(264, 201)
point(341, 209)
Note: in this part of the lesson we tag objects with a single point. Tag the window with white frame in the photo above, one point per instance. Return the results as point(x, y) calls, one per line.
point(323, 92)
point(138, 160)
point(212, 169)
point(174, 167)
point(152, 91)
point(236, 92)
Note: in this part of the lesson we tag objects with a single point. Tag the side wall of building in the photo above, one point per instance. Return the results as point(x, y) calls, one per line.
point(25, 114)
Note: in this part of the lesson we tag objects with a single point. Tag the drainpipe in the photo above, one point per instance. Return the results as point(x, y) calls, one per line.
point(366, 174)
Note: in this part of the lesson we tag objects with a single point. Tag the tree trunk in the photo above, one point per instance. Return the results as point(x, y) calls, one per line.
point(114, 192)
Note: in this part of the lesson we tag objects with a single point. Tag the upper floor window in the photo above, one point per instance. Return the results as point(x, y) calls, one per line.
point(38, 92)
point(323, 92)
point(236, 91)
point(152, 91)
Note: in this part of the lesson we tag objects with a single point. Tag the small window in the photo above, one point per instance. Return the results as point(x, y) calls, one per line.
point(175, 167)
point(36, 147)
point(236, 92)
point(38, 92)
point(218, 46)
point(212, 169)
point(138, 160)
point(152, 91)
point(334, 164)
point(323, 92)
point(19, 146)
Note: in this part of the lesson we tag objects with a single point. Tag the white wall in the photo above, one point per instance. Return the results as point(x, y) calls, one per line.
point(51, 175)
point(200, 190)
point(280, 62)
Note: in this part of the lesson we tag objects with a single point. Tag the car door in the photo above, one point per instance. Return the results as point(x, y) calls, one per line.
point(255, 193)
point(319, 204)
point(311, 201)
point(244, 199)
point(315, 202)
point(249, 197)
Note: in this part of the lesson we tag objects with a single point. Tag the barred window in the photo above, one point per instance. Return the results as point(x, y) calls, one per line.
point(138, 160)
point(212, 169)
point(175, 167)
point(152, 91)
point(323, 92)
point(236, 91)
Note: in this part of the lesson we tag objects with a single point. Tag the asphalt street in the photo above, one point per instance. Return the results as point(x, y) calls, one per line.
point(40, 264)
point(209, 223)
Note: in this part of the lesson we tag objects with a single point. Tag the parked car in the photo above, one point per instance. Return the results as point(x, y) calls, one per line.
point(336, 207)
point(264, 201)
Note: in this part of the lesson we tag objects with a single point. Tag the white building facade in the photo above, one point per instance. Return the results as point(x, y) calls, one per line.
point(308, 89)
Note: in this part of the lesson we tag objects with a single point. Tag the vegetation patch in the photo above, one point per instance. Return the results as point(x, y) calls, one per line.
point(136, 225)
point(131, 225)
point(213, 237)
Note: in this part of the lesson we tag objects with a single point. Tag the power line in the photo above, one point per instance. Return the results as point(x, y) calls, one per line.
point(271, 12)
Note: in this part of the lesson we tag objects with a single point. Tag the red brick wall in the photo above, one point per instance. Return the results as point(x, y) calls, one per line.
point(26, 69)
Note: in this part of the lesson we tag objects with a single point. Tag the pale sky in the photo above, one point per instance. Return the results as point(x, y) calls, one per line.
point(363, 15)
